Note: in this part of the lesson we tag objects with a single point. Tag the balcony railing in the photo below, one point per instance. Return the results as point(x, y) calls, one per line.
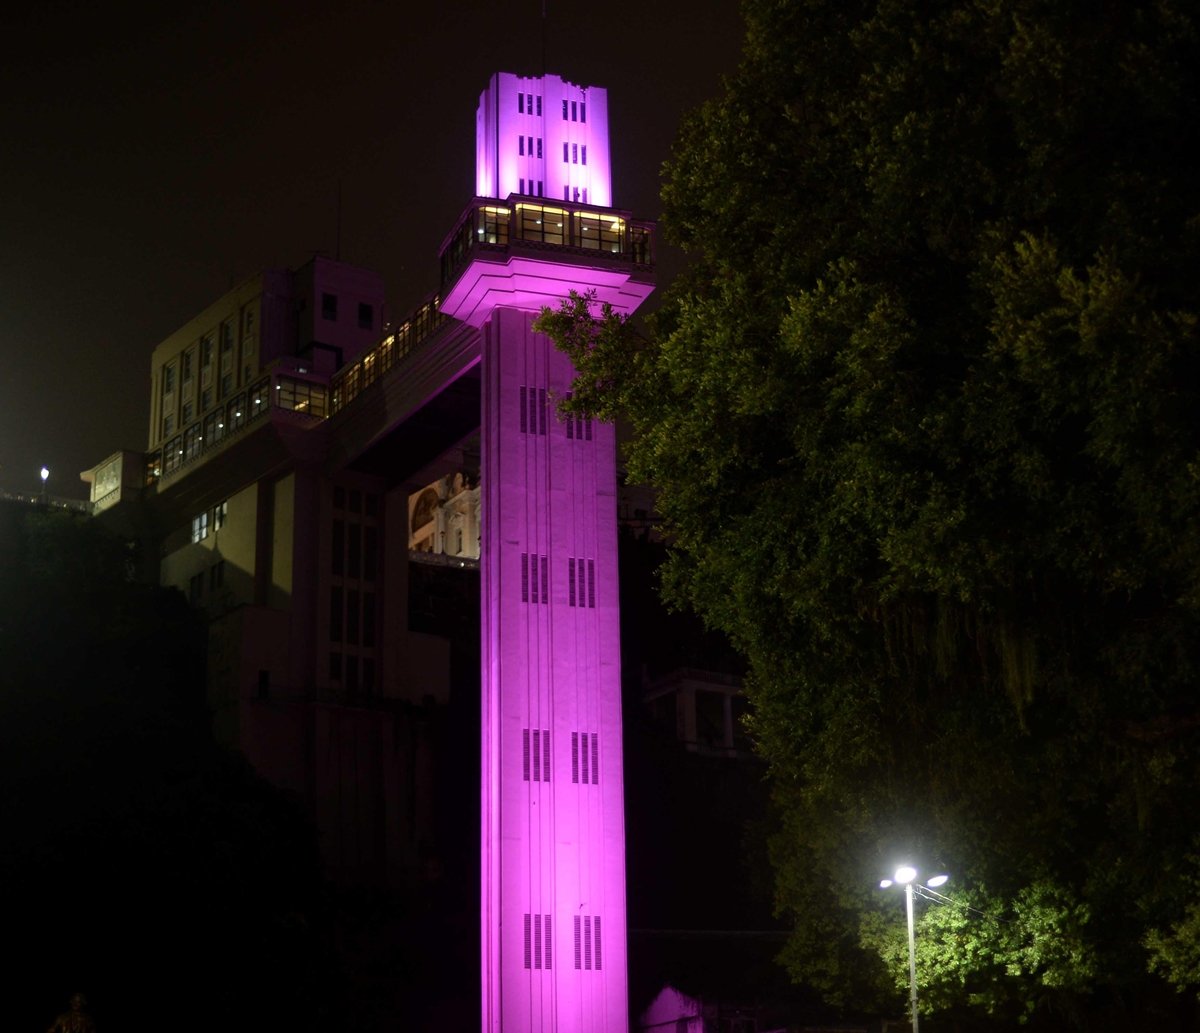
point(490, 225)
point(293, 389)
point(350, 381)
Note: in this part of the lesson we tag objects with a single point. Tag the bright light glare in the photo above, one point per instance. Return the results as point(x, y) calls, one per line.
point(885, 883)
point(938, 880)
point(905, 875)
point(45, 473)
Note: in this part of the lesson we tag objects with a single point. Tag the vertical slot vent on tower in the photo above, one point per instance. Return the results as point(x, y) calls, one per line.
point(585, 758)
point(535, 754)
point(532, 400)
point(581, 582)
point(531, 579)
point(588, 952)
point(537, 942)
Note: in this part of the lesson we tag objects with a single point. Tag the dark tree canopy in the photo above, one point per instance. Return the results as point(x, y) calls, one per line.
point(923, 421)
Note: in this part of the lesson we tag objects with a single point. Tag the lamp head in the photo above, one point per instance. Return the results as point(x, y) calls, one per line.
point(905, 874)
point(45, 474)
point(938, 880)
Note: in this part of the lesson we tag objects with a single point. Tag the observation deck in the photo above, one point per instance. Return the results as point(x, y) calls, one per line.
point(528, 252)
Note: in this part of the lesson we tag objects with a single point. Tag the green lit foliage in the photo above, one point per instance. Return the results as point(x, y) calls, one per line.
point(922, 418)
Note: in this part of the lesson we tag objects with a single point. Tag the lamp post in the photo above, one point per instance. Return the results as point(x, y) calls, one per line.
point(906, 876)
point(45, 477)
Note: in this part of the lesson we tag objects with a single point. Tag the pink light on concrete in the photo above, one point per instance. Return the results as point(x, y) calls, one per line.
point(532, 284)
point(553, 798)
point(553, 821)
point(541, 129)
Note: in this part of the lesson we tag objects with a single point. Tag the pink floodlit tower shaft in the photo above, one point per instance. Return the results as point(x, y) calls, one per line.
point(553, 822)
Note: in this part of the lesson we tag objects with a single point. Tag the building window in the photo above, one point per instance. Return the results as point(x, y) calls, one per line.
point(220, 515)
point(370, 559)
point(335, 614)
point(583, 111)
point(566, 152)
point(574, 154)
point(521, 186)
point(574, 112)
point(541, 192)
point(329, 305)
point(583, 155)
point(352, 616)
point(368, 618)
point(564, 110)
point(200, 527)
point(520, 103)
point(353, 550)
point(521, 146)
point(539, 146)
point(168, 379)
point(539, 104)
point(338, 547)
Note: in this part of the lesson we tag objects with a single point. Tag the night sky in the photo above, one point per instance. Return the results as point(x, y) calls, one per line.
point(153, 156)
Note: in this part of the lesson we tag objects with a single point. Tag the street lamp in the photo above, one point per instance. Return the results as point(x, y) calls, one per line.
point(45, 477)
point(906, 876)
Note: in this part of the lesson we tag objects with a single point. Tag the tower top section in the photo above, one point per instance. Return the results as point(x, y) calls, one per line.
point(538, 136)
point(542, 221)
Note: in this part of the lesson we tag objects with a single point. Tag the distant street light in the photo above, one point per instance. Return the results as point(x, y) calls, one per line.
point(45, 477)
point(905, 876)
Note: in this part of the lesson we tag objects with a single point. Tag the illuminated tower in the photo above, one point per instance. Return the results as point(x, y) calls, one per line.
point(553, 832)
